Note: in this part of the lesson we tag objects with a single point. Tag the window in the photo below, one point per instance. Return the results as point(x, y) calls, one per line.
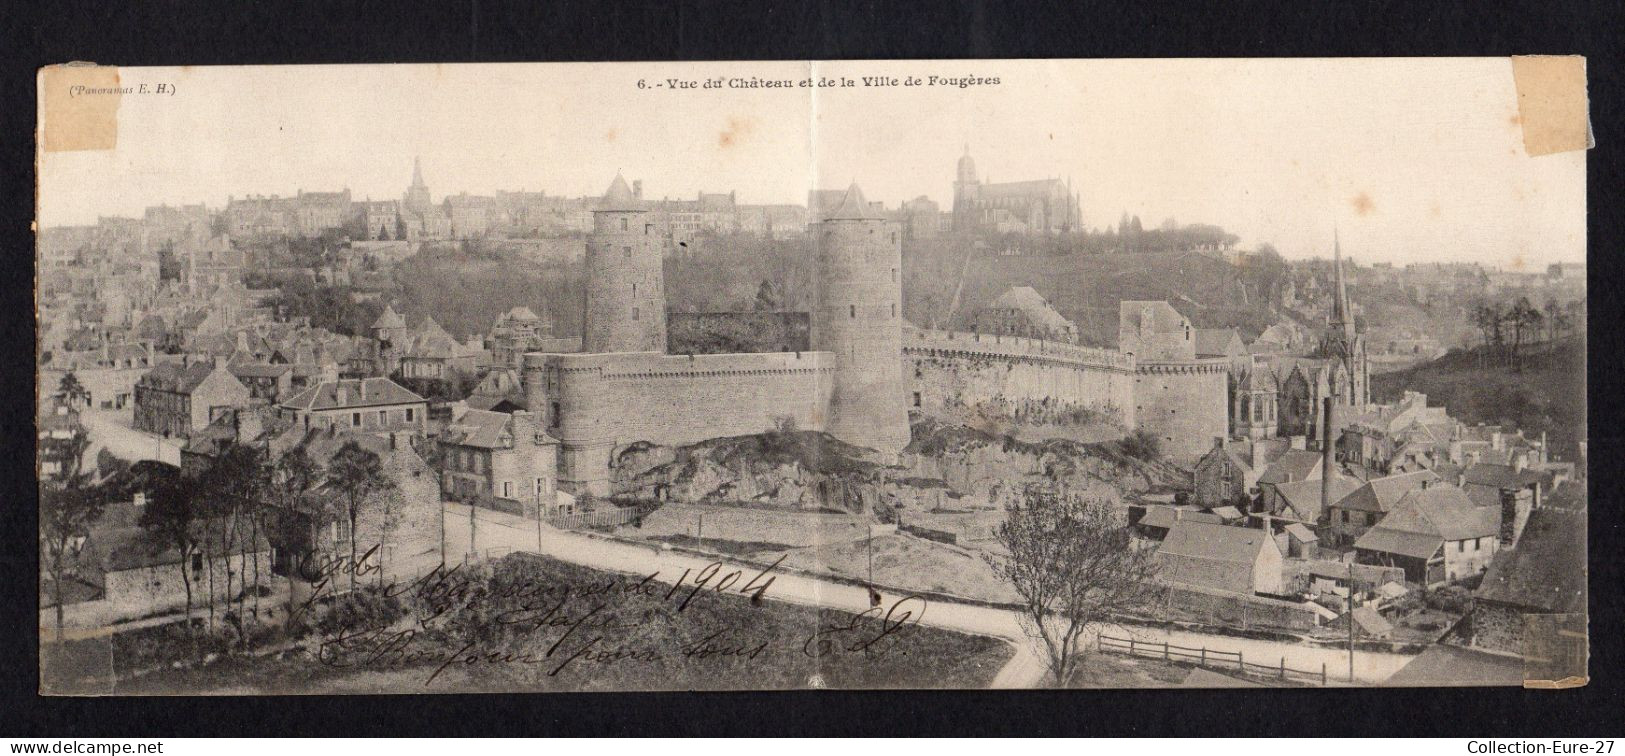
point(852, 311)
point(409, 414)
point(355, 419)
point(1345, 517)
point(1461, 546)
point(507, 489)
point(626, 251)
point(383, 417)
point(623, 224)
point(894, 309)
point(554, 412)
point(634, 290)
point(634, 313)
point(916, 398)
point(541, 486)
point(894, 275)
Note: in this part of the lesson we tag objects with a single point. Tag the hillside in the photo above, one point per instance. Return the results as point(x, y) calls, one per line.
point(1086, 288)
point(1547, 394)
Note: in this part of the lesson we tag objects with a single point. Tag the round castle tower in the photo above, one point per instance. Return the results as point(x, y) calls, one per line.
point(857, 316)
point(625, 307)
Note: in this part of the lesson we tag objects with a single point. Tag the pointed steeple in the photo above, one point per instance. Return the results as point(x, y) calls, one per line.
point(417, 171)
point(1342, 314)
point(852, 207)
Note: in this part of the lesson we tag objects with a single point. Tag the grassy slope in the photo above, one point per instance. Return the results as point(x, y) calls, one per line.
point(1548, 393)
point(915, 657)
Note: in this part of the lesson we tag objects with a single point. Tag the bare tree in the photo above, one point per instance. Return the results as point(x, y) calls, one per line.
point(1073, 564)
point(356, 473)
point(172, 518)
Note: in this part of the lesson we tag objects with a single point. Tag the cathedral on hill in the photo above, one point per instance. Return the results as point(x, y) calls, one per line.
point(1045, 206)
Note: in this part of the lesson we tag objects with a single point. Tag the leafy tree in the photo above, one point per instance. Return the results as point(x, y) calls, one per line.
point(356, 474)
point(67, 510)
point(1074, 567)
point(72, 391)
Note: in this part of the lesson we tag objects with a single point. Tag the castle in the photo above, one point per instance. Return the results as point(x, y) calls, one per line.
point(866, 370)
point(1044, 206)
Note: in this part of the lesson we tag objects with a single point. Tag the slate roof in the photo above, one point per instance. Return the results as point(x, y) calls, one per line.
point(1030, 303)
point(1163, 517)
point(365, 392)
point(1301, 532)
point(618, 198)
point(1381, 495)
point(1426, 518)
point(389, 318)
point(481, 428)
point(260, 371)
point(1546, 571)
point(852, 207)
point(1216, 556)
point(1303, 496)
point(1294, 465)
point(1218, 342)
point(168, 376)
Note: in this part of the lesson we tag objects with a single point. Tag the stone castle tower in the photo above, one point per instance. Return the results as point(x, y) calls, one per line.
point(625, 307)
point(857, 316)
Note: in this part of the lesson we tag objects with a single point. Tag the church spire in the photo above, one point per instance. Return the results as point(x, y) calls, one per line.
point(1342, 314)
point(417, 171)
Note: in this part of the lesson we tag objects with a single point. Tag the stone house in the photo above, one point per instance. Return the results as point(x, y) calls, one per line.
point(401, 526)
point(500, 457)
point(1223, 478)
point(1349, 517)
point(137, 578)
point(1221, 557)
point(1544, 574)
point(268, 383)
point(1436, 534)
point(176, 400)
point(358, 405)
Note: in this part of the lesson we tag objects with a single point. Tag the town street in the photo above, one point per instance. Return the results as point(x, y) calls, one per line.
point(110, 429)
point(497, 534)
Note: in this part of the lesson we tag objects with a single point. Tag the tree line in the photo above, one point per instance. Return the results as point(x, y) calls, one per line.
point(1507, 329)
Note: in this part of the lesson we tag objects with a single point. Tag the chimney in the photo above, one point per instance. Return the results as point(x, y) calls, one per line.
point(1520, 460)
point(140, 499)
point(1509, 515)
point(1543, 458)
point(1327, 469)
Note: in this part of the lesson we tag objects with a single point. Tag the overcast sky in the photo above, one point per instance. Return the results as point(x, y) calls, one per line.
point(1412, 160)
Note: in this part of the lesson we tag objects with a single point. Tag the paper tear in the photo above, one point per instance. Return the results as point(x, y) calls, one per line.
point(1553, 108)
point(79, 105)
point(1555, 651)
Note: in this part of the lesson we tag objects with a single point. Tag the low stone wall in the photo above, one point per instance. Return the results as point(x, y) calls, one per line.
point(790, 528)
point(1213, 607)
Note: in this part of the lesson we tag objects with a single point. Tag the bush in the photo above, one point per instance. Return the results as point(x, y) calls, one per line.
point(361, 609)
point(1453, 599)
point(1143, 445)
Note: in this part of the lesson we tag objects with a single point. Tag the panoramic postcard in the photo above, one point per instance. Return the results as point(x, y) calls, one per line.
point(797, 375)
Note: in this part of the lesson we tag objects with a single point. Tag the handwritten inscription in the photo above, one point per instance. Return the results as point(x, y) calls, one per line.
point(527, 624)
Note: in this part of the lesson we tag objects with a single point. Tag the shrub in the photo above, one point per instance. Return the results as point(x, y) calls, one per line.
point(1453, 599)
point(1143, 445)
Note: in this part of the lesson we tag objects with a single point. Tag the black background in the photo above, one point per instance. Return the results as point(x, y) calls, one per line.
point(161, 32)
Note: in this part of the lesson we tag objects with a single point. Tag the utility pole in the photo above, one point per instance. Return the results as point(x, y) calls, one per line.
point(1351, 622)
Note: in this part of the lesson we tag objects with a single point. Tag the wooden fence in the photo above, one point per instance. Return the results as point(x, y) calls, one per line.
point(1207, 657)
point(596, 518)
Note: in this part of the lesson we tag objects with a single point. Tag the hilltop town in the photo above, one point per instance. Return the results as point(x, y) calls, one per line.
point(247, 413)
